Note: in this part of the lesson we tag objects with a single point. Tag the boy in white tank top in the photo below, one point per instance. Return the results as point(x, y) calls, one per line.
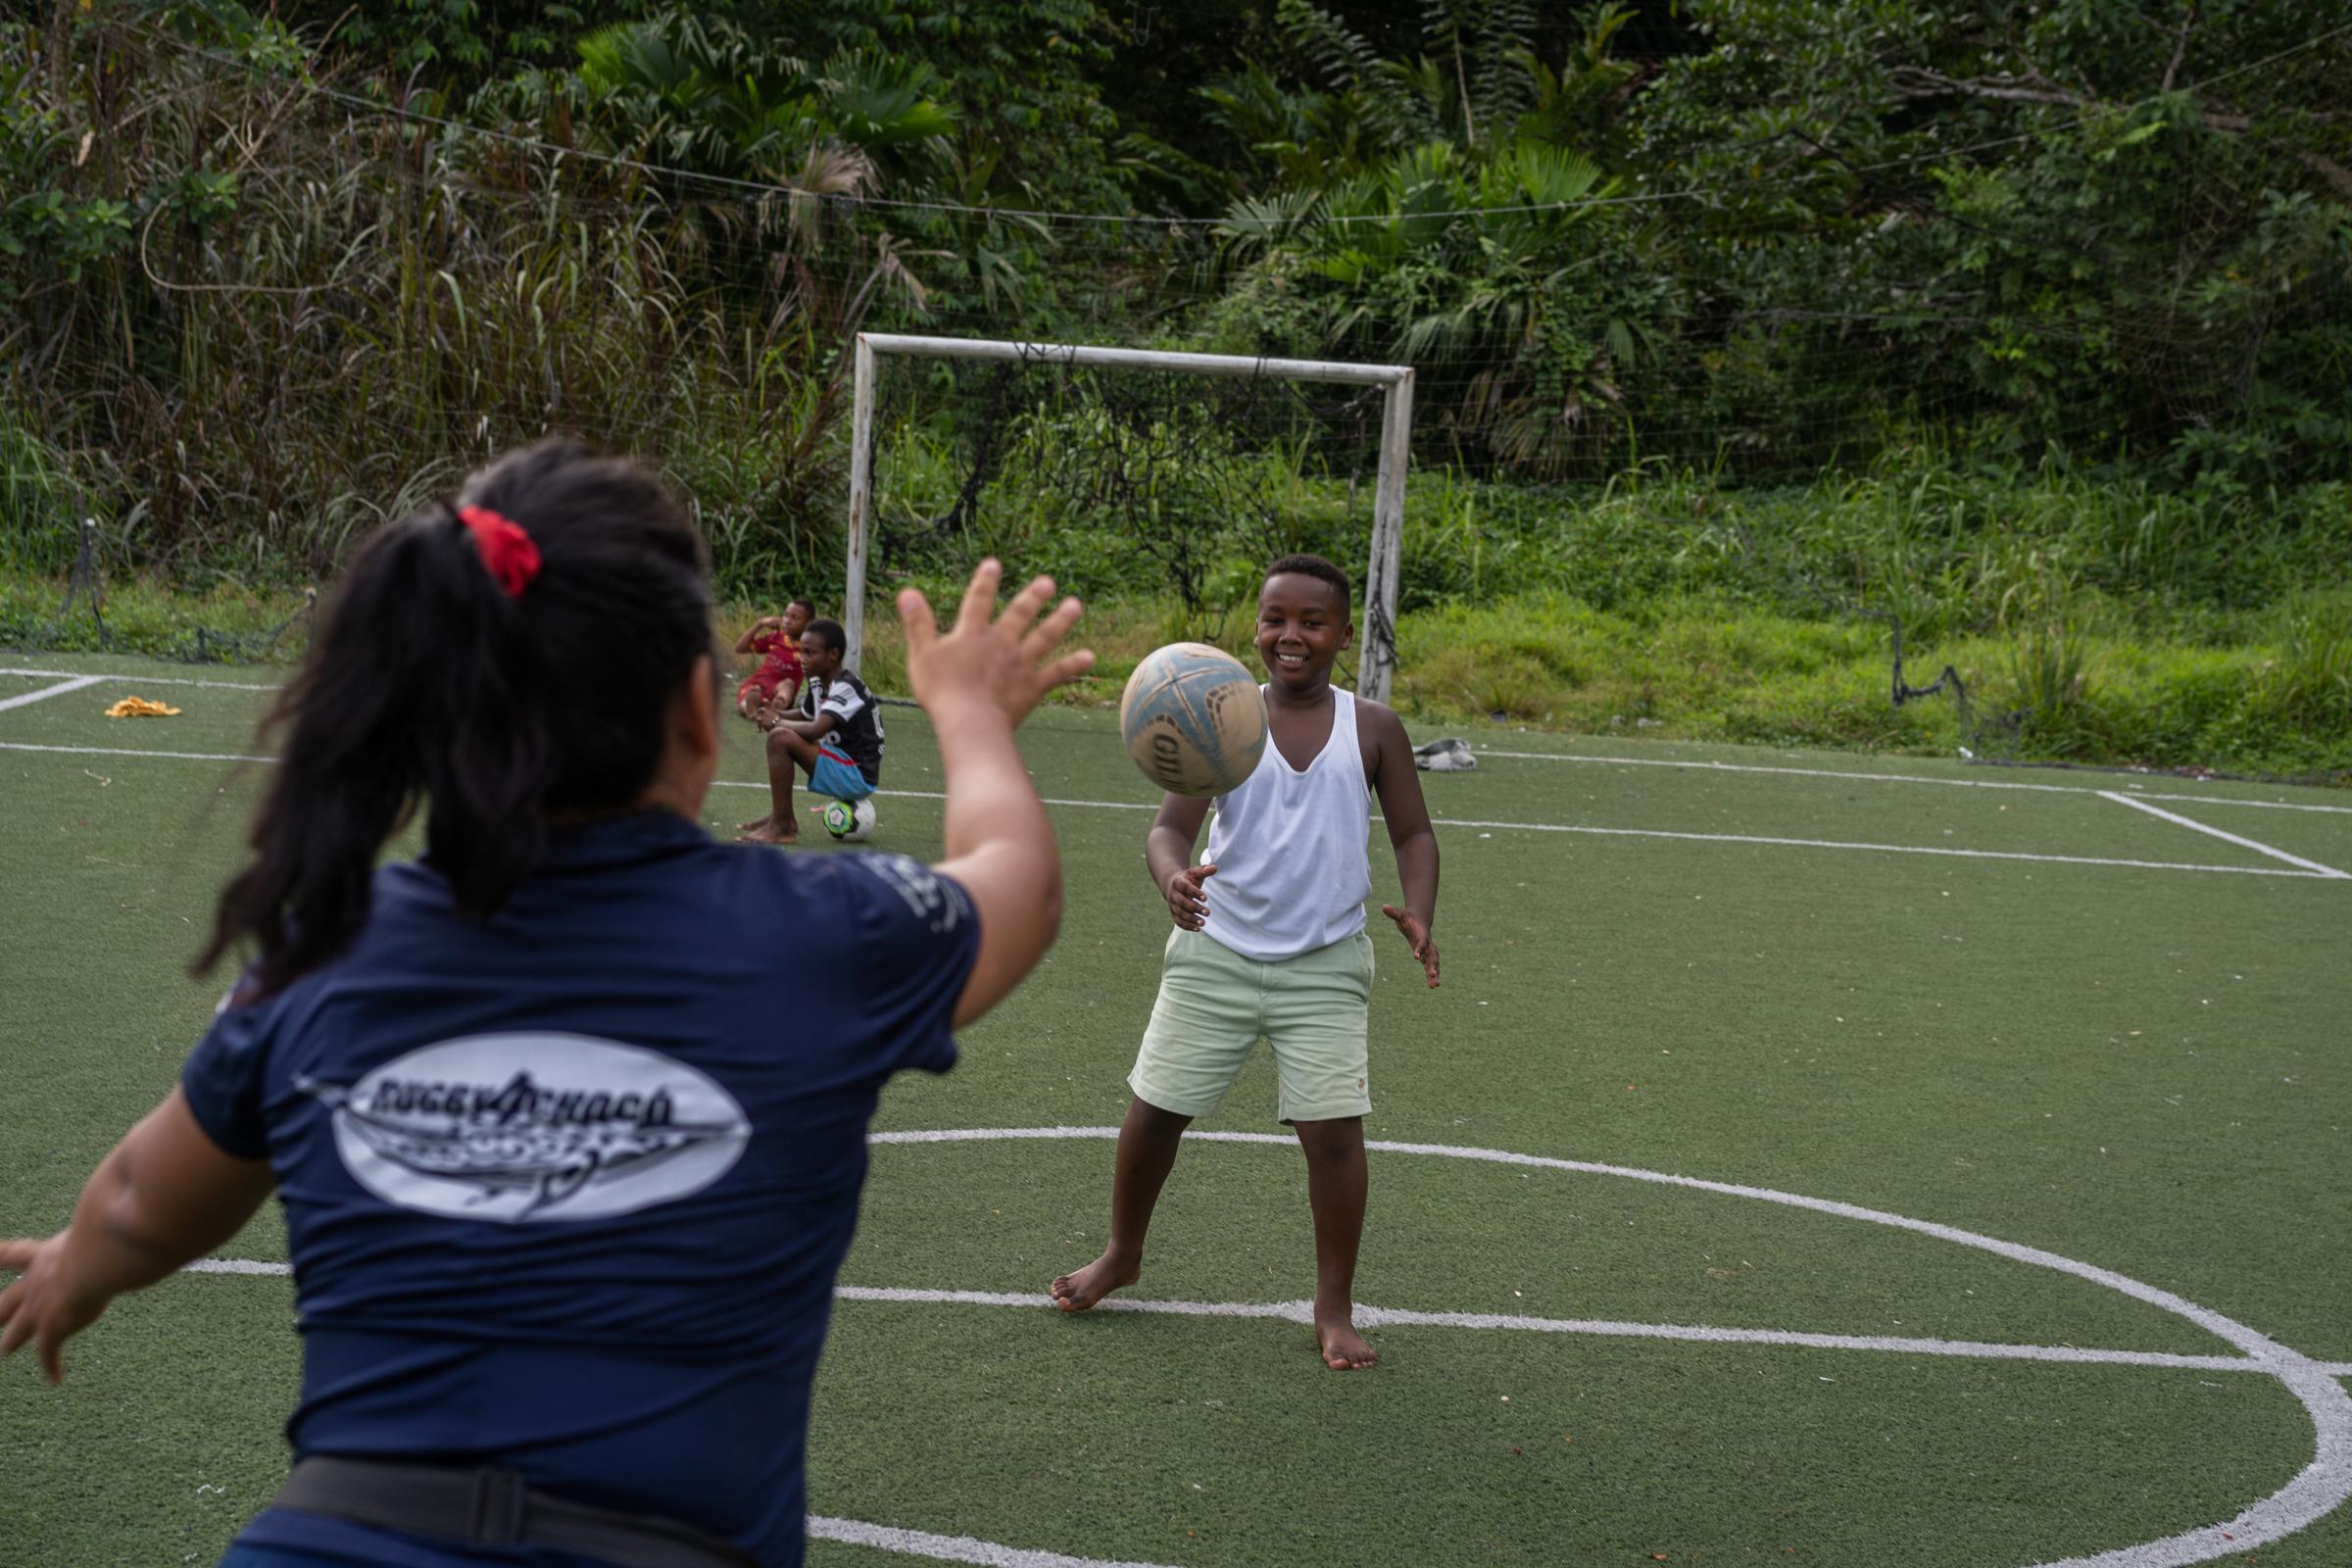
point(1279, 951)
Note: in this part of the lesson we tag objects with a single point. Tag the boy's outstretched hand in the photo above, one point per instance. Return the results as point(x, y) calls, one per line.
point(1416, 936)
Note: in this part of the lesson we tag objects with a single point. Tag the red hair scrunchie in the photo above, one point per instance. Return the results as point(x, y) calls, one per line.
point(509, 553)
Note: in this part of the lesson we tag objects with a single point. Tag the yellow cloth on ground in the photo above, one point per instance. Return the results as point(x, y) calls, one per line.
point(142, 708)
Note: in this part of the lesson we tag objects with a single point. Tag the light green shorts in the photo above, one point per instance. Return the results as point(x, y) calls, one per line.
point(1216, 1005)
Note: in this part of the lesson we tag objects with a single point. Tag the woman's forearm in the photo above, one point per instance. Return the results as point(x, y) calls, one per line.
point(977, 683)
point(991, 798)
point(163, 1197)
point(1000, 847)
point(110, 1249)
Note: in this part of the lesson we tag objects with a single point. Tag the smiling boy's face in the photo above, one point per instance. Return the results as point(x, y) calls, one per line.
point(1301, 626)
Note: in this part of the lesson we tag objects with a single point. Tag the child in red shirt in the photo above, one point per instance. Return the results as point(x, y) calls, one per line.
point(777, 680)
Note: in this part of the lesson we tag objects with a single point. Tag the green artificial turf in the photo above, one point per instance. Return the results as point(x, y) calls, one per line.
point(2137, 1067)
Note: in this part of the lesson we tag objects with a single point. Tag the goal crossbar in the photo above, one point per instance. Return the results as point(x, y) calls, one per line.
point(1379, 664)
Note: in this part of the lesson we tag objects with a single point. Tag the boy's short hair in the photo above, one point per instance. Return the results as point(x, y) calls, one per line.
point(809, 604)
point(1321, 571)
point(829, 633)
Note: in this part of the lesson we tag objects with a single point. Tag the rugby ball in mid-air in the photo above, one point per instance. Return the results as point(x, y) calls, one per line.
point(1193, 720)
point(849, 822)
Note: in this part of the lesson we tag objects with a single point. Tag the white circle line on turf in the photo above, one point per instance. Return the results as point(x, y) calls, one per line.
point(1440, 821)
point(2312, 1493)
point(1302, 1312)
point(951, 1548)
point(1405, 1317)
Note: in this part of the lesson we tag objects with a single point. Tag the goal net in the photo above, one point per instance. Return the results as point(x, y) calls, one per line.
point(1177, 472)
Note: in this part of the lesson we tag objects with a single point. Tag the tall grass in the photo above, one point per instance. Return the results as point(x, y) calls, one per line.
point(2089, 617)
point(358, 311)
point(39, 518)
point(1715, 670)
point(1945, 550)
point(2308, 683)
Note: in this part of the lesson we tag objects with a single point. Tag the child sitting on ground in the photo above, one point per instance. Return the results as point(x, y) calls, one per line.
point(768, 692)
point(834, 735)
point(1283, 954)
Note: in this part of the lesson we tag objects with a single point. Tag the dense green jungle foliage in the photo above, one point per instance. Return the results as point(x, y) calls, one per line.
point(2013, 322)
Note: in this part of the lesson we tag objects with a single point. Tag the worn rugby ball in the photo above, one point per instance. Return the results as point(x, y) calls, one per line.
point(1193, 720)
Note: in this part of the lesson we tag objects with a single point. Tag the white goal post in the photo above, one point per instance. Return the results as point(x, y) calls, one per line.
point(1377, 665)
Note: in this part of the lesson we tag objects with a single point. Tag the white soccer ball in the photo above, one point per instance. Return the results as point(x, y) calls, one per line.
point(848, 822)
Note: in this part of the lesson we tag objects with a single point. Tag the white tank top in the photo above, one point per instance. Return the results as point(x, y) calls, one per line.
point(1291, 849)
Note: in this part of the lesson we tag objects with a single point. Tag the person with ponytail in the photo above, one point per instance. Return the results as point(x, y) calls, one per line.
point(564, 1204)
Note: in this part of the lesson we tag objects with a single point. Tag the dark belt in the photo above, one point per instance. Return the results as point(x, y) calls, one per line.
point(493, 1508)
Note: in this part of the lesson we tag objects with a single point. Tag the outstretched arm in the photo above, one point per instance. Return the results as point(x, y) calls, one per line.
point(977, 683)
point(165, 1196)
point(1415, 842)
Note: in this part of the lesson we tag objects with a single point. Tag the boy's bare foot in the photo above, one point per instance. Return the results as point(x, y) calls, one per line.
point(1343, 1349)
point(768, 830)
point(1075, 1293)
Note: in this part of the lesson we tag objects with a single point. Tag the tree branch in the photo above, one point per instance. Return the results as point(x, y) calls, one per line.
point(2335, 173)
point(2172, 69)
point(1916, 81)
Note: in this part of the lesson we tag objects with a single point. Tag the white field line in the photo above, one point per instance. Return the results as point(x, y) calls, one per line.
point(47, 692)
point(1899, 778)
point(1883, 849)
point(951, 1548)
point(239, 1265)
point(2232, 838)
point(1441, 821)
point(1533, 756)
point(156, 680)
point(129, 751)
point(1367, 1316)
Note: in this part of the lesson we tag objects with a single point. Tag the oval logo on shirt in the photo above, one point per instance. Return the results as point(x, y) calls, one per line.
point(522, 1127)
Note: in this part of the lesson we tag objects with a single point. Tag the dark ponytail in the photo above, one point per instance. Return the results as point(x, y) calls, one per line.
point(429, 685)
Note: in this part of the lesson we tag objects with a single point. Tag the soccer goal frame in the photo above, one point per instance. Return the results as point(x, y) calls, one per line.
point(1376, 667)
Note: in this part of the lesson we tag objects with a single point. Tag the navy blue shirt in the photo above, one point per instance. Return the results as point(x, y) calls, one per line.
point(565, 1192)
